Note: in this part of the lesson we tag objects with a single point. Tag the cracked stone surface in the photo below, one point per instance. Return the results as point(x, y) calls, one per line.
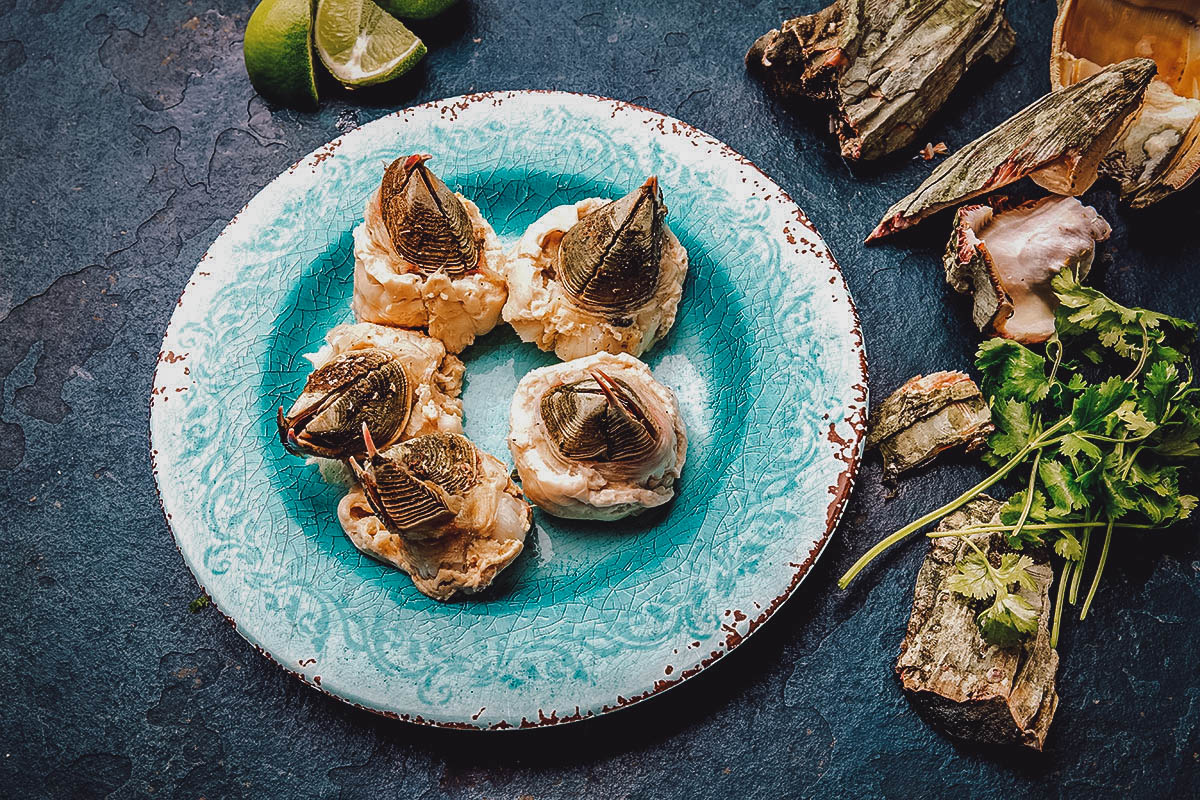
point(132, 135)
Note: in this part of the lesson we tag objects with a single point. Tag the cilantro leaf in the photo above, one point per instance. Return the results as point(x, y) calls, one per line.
point(1008, 620)
point(1061, 486)
point(1068, 546)
point(1009, 369)
point(1093, 407)
point(1014, 427)
point(974, 577)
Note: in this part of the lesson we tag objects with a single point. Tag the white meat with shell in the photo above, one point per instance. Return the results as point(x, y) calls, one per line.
point(1007, 256)
point(622, 430)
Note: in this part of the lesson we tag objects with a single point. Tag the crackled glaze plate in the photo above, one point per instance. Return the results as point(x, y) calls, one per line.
point(766, 359)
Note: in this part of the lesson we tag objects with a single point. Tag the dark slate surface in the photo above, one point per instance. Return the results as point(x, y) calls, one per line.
point(130, 135)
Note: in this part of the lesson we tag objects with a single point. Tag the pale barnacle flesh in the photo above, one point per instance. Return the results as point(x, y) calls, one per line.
point(596, 438)
point(440, 509)
point(1160, 151)
point(928, 415)
point(424, 257)
point(368, 386)
point(597, 276)
point(1007, 256)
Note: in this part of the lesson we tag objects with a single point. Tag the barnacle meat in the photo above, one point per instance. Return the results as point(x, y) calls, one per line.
point(1160, 152)
point(596, 438)
point(928, 415)
point(401, 383)
point(424, 257)
point(597, 276)
point(1006, 257)
point(440, 509)
point(1057, 142)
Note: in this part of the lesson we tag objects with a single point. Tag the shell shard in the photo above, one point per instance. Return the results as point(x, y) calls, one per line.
point(599, 419)
point(926, 416)
point(411, 486)
point(609, 260)
point(368, 386)
point(1007, 255)
point(428, 225)
point(1057, 141)
point(1160, 152)
point(883, 67)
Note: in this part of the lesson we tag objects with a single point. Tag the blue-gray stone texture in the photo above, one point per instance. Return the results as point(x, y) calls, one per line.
point(130, 135)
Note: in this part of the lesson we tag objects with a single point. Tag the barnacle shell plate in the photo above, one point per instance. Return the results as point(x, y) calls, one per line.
point(542, 313)
point(455, 310)
point(588, 490)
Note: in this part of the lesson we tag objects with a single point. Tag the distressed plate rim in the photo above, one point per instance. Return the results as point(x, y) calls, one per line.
point(848, 450)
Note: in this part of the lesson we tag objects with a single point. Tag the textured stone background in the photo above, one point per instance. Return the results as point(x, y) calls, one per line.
point(129, 136)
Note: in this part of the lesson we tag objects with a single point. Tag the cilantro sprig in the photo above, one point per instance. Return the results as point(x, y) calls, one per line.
point(1103, 421)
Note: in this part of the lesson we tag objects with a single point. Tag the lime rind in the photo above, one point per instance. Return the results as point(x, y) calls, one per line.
point(278, 51)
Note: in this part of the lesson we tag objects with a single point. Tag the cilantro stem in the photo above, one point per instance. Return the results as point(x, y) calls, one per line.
point(1087, 603)
point(1077, 575)
point(1039, 526)
point(1033, 473)
point(1063, 575)
point(964, 498)
point(1145, 351)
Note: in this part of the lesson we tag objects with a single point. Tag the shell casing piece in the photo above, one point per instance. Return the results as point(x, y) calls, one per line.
point(609, 261)
point(368, 386)
point(428, 225)
point(588, 421)
point(409, 488)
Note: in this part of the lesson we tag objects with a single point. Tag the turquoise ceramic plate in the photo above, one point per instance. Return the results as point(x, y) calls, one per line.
point(766, 359)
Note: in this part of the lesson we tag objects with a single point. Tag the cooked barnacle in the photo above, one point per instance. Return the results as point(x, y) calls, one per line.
point(1057, 141)
point(883, 68)
point(428, 224)
point(424, 257)
point(609, 260)
point(402, 383)
point(357, 388)
point(1160, 153)
point(926, 416)
point(598, 419)
point(597, 276)
point(1006, 256)
point(596, 438)
point(438, 508)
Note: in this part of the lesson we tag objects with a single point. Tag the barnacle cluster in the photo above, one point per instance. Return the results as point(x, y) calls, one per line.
point(597, 437)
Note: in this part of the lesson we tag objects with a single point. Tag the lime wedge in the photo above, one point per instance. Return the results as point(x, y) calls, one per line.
point(415, 9)
point(362, 45)
point(278, 52)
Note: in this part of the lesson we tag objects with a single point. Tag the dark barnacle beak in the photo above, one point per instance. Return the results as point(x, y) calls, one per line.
point(411, 485)
point(609, 260)
point(598, 420)
point(355, 388)
point(428, 224)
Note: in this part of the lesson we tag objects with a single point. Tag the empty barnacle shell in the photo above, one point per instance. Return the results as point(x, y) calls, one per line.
point(599, 419)
point(1006, 256)
point(415, 488)
point(1056, 141)
point(428, 225)
point(1160, 152)
point(609, 260)
point(926, 416)
point(369, 386)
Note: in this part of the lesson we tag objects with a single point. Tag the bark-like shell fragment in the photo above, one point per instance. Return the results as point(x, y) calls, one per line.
point(367, 386)
point(926, 416)
point(1160, 152)
point(884, 67)
point(1057, 141)
point(428, 225)
point(1006, 257)
point(609, 260)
